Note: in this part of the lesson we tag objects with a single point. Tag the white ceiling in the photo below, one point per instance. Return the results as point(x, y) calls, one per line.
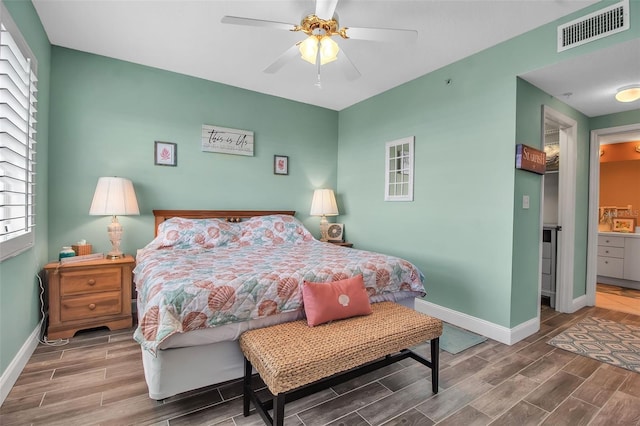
point(186, 36)
point(589, 82)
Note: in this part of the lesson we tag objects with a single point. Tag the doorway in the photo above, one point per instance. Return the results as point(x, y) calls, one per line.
point(610, 297)
point(564, 265)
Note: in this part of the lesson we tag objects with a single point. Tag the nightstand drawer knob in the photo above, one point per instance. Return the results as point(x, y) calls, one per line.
point(92, 306)
point(91, 282)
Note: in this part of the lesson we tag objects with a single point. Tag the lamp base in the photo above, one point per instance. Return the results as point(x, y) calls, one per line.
point(115, 235)
point(324, 229)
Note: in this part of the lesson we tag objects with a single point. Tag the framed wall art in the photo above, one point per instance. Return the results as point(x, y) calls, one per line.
point(280, 165)
point(165, 154)
point(623, 224)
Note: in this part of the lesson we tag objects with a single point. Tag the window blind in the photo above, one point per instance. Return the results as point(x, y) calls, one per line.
point(18, 90)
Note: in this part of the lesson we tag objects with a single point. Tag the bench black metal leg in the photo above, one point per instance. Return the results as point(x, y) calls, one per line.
point(278, 410)
point(435, 363)
point(247, 387)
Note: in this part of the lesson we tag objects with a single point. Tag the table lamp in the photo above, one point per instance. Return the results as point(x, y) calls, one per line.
point(114, 197)
point(324, 204)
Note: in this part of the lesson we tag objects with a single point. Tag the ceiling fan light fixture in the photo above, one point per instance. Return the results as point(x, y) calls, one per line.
point(328, 49)
point(309, 49)
point(628, 93)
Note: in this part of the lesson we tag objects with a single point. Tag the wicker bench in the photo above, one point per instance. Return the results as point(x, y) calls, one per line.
point(295, 360)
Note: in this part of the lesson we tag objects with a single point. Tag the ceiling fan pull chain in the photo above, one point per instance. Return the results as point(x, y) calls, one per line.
point(318, 83)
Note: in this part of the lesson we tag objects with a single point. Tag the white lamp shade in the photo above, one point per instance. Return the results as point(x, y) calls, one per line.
point(324, 203)
point(114, 196)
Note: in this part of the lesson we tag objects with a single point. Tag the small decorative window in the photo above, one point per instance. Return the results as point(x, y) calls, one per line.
point(398, 181)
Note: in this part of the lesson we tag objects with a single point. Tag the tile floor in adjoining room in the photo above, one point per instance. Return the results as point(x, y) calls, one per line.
point(618, 298)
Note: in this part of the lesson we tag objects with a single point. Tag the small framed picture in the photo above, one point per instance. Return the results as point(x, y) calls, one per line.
point(165, 154)
point(623, 224)
point(280, 165)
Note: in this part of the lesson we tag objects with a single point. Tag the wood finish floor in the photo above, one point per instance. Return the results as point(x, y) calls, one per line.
point(618, 298)
point(97, 379)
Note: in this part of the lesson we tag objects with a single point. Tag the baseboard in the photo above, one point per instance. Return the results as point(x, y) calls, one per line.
point(11, 374)
point(635, 285)
point(505, 335)
point(579, 303)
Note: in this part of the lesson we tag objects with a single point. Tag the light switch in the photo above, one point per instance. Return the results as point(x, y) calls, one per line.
point(525, 201)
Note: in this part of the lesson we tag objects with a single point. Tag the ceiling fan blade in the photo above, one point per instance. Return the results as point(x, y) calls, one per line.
point(236, 20)
point(326, 8)
point(350, 71)
point(287, 56)
point(382, 34)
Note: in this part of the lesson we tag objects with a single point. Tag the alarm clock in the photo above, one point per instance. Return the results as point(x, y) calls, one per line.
point(335, 232)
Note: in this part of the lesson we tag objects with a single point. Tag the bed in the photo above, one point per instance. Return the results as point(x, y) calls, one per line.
point(209, 275)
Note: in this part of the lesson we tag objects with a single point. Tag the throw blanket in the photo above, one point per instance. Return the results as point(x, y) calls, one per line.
point(188, 289)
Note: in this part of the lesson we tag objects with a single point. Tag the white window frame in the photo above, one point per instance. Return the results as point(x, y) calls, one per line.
point(18, 74)
point(398, 173)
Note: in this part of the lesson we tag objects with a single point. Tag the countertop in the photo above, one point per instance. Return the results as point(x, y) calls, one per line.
point(619, 234)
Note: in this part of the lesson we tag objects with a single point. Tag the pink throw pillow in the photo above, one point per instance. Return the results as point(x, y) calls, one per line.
point(324, 302)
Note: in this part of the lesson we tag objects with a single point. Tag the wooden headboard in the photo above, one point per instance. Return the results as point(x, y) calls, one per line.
point(228, 215)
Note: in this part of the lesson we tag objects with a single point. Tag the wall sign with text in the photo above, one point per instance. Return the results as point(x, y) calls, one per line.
point(227, 141)
point(530, 159)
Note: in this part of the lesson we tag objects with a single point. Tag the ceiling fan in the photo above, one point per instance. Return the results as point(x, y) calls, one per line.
point(319, 48)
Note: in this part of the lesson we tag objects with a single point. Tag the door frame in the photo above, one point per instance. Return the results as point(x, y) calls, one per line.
point(565, 262)
point(594, 197)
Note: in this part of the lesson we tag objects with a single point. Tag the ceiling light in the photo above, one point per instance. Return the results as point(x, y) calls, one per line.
point(328, 49)
point(628, 93)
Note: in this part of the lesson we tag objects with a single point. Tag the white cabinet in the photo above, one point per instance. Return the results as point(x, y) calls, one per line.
point(632, 259)
point(611, 256)
point(619, 257)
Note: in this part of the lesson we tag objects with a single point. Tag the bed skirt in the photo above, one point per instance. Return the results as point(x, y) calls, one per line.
point(178, 370)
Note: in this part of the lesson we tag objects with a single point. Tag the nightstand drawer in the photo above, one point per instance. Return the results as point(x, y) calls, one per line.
point(95, 305)
point(82, 282)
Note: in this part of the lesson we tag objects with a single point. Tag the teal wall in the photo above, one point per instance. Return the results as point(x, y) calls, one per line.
point(463, 183)
point(615, 120)
point(19, 291)
point(526, 224)
point(461, 229)
point(106, 115)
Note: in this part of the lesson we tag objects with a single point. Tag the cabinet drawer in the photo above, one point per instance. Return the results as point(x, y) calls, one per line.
point(90, 306)
point(546, 283)
point(611, 251)
point(96, 280)
point(610, 266)
point(610, 241)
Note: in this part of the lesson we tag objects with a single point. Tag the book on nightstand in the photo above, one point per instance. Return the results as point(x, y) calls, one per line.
point(83, 258)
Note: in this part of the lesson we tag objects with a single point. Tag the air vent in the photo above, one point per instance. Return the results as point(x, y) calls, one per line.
point(593, 26)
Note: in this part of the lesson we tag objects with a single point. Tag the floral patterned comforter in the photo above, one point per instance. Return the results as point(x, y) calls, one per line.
point(188, 287)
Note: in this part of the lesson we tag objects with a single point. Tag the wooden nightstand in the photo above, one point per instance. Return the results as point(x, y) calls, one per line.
point(89, 294)
point(342, 243)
